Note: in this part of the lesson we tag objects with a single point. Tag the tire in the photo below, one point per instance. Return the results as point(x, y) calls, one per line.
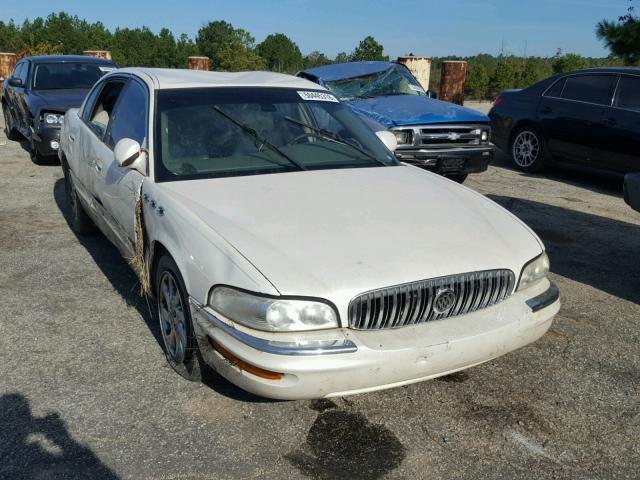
point(458, 177)
point(528, 149)
point(12, 133)
point(80, 222)
point(39, 159)
point(174, 317)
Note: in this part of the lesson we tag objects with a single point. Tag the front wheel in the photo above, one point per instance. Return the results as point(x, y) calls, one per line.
point(529, 149)
point(174, 316)
point(10, 131)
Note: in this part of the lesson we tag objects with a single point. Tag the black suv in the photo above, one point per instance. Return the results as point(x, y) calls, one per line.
point(39, 92)
point(587, 117)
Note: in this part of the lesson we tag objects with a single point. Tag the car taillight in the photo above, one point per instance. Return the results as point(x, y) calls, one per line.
point(497, 101)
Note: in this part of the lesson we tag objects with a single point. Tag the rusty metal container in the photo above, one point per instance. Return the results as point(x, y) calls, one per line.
point(97, 53)
point(198, 63)
point(420, 67)
point(452, 79)
point(7, 62)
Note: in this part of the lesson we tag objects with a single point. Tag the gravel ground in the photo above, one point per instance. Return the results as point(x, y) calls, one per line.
point(85, 391)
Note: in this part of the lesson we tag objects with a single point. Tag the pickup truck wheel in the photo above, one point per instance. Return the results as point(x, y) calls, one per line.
point(174, 315)
point(10, 131)
point(78, 219)
point(529, 149)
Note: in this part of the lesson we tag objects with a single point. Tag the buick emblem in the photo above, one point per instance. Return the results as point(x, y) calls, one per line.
point(445, 299)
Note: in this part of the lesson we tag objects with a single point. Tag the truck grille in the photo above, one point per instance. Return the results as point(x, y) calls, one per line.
point(426, 300)
point(447, 136)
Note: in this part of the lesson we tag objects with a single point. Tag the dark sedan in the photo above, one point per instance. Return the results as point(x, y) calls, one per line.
point(587, 117)
point(39, 92)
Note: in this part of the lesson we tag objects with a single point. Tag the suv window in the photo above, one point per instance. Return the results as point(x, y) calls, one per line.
point(628, 95)
point(129, 118)
point(99, 118)
point(589, 88)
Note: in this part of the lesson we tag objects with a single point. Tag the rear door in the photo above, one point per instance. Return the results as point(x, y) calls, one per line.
point(620, 146)
point(570, 113)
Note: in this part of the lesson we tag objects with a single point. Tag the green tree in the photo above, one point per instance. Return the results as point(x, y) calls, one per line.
point(568, 62)
point(280, 53)
point(342, 57)
point(368, 49)
point(503, 77)
point(477, 81)
point(622, 38)
point(221, 42)
point(315, 59)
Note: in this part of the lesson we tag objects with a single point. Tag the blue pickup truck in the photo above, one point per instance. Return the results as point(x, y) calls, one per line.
point(439, 136)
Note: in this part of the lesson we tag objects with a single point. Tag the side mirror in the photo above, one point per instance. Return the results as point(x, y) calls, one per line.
point(16, 82)
point(126, 152)
point(389, 139)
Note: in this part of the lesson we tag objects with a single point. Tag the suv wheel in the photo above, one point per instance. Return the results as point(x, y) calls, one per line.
point(529, 149)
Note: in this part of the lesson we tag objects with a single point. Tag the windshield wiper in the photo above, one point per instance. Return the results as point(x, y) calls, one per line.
point(326, 134)
point(258, 138)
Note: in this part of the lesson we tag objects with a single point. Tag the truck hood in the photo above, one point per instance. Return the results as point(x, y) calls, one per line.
point(403, 110)
point(337, 233)
point(56, 100)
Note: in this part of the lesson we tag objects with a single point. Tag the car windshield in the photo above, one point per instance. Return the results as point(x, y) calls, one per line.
point(396, 80)
point(67, 75)
point(221, 132)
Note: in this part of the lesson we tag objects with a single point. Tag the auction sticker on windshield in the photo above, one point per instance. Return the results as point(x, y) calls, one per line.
point(318, 96)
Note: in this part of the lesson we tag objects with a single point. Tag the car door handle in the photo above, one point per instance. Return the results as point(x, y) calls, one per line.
point(72, 138)
point(610, 121)
point(98, 167)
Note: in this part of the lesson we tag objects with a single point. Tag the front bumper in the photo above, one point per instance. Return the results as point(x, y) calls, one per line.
point(45, 140)
point(449, 161)
point(349, 361)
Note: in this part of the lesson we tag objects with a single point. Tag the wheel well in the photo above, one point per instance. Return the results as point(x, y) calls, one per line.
point(517, 127)
point(157, 251)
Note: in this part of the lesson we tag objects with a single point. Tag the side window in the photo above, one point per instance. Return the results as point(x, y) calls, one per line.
point(129, 118)
point(556, 90)
point(589, 88)
point(628, 95)
point(17, 71)
point(23, 73)
point(91, 101)
point(99, 117)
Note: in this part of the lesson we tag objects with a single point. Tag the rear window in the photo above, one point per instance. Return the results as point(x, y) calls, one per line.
point(589, 88)
point(628, 95)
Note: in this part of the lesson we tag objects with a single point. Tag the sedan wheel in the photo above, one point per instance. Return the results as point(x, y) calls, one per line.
point(11, 132)
point(178, 338)
point(528, 150)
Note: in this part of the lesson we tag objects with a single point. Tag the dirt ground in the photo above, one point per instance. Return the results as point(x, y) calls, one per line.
point(85, 391)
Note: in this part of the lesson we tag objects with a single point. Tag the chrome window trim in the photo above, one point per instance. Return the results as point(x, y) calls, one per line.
point(272, 346)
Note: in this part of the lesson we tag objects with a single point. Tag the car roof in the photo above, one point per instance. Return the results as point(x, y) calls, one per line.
point(633, 70)
point(339, 71)
point(68, 58)
point(166, 78)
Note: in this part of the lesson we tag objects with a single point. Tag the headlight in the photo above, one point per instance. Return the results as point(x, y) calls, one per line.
point(53, 118)
point(404, 137)
point(484, 136)
point(272, 314)
point(534, 271)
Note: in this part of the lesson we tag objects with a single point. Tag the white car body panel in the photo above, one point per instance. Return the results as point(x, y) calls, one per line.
point(330, 234)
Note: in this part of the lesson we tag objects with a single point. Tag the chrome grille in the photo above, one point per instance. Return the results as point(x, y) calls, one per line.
point(413, 303)
point(446, 136)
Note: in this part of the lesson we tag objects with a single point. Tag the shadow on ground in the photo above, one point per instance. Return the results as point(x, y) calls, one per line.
point(42, 447)
point(587, 248)
point(124, 280)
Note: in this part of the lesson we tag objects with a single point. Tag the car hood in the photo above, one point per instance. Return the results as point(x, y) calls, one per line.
point(400, 110)
point(56, 100)
point(337, 233)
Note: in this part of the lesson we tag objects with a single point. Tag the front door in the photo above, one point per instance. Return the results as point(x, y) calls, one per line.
point(571, 115)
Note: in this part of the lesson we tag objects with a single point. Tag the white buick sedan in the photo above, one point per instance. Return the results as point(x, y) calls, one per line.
point(283, 243)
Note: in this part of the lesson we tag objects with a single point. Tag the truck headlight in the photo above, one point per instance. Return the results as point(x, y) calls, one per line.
point(484, 136)
point(404, 137)
point(53, 118)
point(534, 271)
point(272, 314)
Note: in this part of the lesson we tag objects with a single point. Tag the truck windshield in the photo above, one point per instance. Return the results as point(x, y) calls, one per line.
point(221, 132)
point(67, 75)
point(396, 80)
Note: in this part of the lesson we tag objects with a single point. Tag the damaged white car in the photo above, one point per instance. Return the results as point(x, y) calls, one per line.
point(284, 244)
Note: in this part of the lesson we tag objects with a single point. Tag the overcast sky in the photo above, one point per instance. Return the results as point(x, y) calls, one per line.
point(424, 27)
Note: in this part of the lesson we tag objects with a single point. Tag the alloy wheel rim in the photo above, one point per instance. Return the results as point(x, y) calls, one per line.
point(172, 318)
point(526, 148)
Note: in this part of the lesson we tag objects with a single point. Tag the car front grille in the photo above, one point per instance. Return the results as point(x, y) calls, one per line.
point(427, 300)
point(446, 136)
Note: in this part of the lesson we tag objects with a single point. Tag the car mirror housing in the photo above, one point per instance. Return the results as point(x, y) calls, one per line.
point(128, 154)
point(16, 82)
point(389, 139)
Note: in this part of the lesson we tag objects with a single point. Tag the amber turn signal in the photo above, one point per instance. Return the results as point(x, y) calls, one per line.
point(242, 365)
